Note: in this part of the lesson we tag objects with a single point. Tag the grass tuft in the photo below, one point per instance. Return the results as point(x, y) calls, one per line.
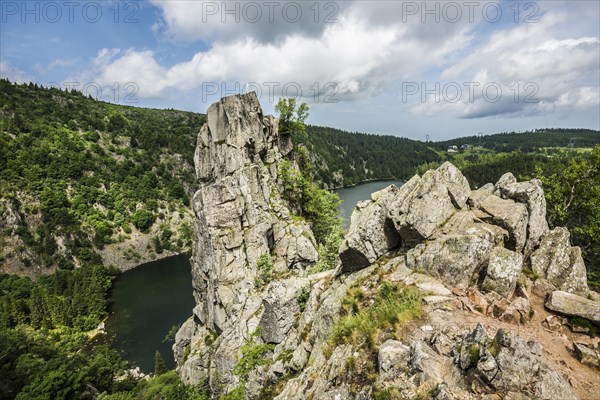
point(392, 306)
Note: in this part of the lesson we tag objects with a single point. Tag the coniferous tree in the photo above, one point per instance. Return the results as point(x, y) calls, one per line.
point(160, 367)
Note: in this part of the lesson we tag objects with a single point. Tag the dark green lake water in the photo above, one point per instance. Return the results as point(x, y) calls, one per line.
point(148, 300)
point(145, 303)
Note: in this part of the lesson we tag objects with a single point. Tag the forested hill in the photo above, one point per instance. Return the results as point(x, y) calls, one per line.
point(527, 141)
point(344, 158)
point(88, 182)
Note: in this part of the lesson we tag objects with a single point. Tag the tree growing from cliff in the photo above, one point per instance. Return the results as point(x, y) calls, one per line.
point(318, 206)
point(160, 367)
point(292, 117)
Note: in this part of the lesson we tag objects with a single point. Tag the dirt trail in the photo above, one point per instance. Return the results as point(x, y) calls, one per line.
point(557, 346)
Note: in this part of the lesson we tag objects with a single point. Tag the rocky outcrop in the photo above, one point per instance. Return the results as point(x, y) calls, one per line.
point(532, 195)
point(508, 364)
point(457, 235)
point(273, 329)
point(450, 364)
point(504, 268)
point(458, 252)
point(586, 356)
point(391, 354)
point(240, 217)
point(281, 307)
point(509, 215)
point(573, 305)
point(425, 203)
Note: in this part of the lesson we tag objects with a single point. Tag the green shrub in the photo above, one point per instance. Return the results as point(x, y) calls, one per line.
point(593, 330)
point(235, 394)
point(303, 298)
point(264, 266)
point(328, 253)
point(143, 220)
point(389, 393)
point(474, 354)
point(253, 355)
point(306, 199)
point(170, 336)
point(534, 276)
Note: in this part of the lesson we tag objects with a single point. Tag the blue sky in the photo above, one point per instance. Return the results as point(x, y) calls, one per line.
point(407, 68)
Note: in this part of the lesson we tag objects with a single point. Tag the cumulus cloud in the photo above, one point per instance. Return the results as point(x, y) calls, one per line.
point(373, 48)
point(358, 57)
point(538, 68)
point(266, 21)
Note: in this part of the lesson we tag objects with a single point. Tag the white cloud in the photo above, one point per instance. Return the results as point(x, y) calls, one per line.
point(13, 74)
point(372, 49)
point(266, 21)
point(225, 21)
point(541, 68)
point(359, 58)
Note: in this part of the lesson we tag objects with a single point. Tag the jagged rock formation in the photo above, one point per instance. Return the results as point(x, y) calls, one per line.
point(464, 251)
point(458, 235)
point(239, 217)
point(561, 264)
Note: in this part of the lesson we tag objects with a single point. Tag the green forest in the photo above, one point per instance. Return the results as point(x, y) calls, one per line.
point(47, 349)
point(88, 172)
point(344, 159)
point(528, 141)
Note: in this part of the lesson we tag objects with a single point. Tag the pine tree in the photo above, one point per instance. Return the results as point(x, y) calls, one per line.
point(159, 364)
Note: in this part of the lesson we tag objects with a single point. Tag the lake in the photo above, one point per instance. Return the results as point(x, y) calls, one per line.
point(352, 195)
point(148, 300)
point(145, 302)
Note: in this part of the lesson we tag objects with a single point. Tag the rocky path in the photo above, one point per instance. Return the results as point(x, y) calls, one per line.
point(557, 344)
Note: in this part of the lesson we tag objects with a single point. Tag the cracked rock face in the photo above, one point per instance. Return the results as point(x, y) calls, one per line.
point(239, 217)
point(458, 252)
point(531, 195)
point(559, 263)
point(504, 268)
point(509, 215)
point(424, 204)
point(507, 363)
